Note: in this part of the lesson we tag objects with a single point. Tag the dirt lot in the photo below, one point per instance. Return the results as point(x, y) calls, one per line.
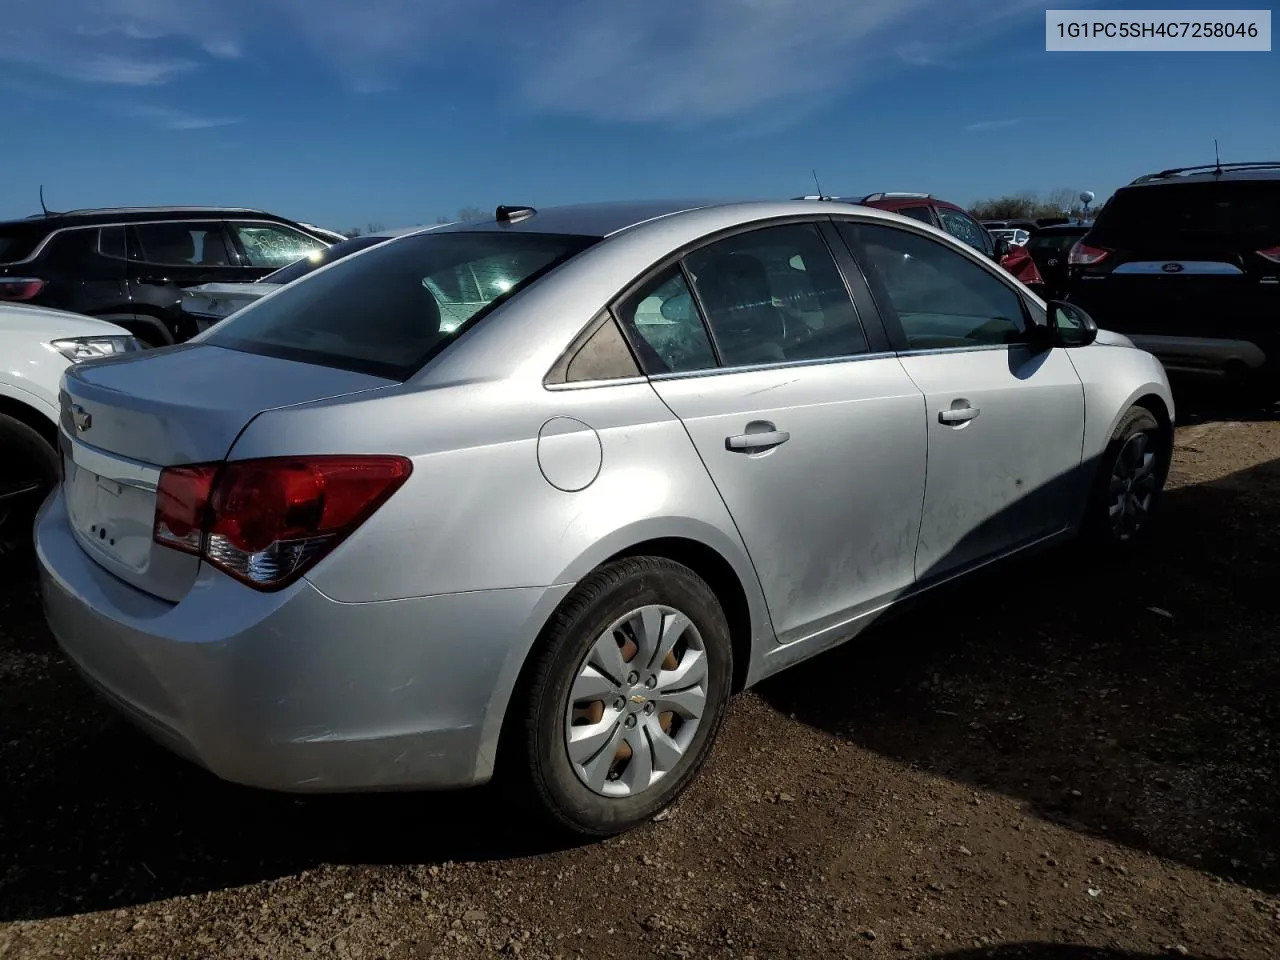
point(1056, 762)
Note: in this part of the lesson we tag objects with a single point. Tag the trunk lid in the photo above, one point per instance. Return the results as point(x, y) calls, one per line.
point(124, 420)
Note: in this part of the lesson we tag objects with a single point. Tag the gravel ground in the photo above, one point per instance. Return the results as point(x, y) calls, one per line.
point(1056, 761)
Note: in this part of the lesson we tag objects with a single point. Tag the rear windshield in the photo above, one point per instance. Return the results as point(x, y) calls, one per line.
point(388, 312)
point(1056, 240)
point(1238, 212)
point(318, 258)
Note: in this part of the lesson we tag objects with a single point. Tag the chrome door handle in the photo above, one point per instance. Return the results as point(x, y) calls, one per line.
point(755, 442)
point(958, 415)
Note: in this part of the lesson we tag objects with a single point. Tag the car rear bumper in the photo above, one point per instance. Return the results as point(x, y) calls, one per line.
point(293, 691)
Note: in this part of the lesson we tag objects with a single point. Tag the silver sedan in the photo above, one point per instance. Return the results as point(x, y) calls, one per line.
point(532, 497)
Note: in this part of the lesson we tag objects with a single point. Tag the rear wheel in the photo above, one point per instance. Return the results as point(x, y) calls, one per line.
point(1130, 479)
point(28, 470)
point(623, 699)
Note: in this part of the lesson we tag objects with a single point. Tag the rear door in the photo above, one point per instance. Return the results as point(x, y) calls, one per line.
point(1005, 420)
point(167, 256)
point(1182, 267)
point(810, 429)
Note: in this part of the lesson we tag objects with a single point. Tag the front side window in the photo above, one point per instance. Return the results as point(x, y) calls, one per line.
point(273, 245)
point(181, 243)
point(942, 298)
point(666, 327)
point(380, 312)
point(775, 295)
point(965, 229)
point(319, 257)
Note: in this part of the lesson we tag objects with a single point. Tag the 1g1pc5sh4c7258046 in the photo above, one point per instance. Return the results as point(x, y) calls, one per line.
point(1118, 31)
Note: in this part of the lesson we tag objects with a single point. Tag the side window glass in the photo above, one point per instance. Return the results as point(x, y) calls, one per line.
point(665, 325)
point(965, 229)
point(603, 356)
point(181, 243)
point(776, 295)
point(272, 245)
point(111, 243)
point(942, 298)
point(917, 213)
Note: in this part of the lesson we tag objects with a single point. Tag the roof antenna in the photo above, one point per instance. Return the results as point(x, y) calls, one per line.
point(821, 195)
point(42, 206)
point(1217, 160)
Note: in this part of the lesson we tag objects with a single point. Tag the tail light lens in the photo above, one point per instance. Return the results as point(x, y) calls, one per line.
point(266, 522)
point(1083, 255)
point(19, 288)
point(1271, 253)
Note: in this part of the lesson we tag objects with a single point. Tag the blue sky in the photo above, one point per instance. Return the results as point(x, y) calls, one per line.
point(344, 112)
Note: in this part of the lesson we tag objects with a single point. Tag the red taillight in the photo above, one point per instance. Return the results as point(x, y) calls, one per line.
point(1083, 255)
point(1271, 253)
point(266, 522)
point(19, 288)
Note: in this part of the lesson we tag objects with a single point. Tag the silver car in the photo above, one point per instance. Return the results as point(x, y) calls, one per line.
point(532, 497)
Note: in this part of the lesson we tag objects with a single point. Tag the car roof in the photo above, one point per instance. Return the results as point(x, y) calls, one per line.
point(584, 219)
point(1231, 173)
point(93, 216)
point(1065, 228)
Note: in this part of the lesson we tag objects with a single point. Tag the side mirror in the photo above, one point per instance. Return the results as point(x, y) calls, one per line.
point(1002, 248)
point(1070, 326)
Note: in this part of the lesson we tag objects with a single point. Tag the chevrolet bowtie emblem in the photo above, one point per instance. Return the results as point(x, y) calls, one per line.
point(82, 419)
point(637, 698)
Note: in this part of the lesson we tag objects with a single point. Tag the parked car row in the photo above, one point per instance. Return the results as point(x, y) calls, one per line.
point(529, 498)
point(130, 265)
point(1187, 263)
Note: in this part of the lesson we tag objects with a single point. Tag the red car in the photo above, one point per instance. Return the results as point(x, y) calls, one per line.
point(957, 222)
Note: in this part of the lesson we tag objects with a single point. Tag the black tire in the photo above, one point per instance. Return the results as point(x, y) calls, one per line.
point(535, 761)
point(28, 470)
point(1101, 527)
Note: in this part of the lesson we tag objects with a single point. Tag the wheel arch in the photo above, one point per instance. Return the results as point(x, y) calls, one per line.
point(40, 420)
point(750, 629)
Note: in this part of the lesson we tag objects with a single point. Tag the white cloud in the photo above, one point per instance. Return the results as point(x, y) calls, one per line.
point(170, 119)
point(670, 61)
point(982, 126)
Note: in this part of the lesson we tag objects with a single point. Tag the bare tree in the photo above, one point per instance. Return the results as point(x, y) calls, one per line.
point(472, 213)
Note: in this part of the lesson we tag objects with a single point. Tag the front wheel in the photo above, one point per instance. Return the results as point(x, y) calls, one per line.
point(1130, 479)
point(623, 698)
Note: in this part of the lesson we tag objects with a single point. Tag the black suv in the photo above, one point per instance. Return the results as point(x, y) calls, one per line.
point(129, 265)
point(1186, 263)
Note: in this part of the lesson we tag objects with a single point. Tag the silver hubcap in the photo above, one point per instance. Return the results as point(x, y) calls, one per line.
point(1133, 486)
point(637, 700)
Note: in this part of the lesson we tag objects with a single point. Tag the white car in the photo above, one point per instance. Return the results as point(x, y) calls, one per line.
point(36, 346)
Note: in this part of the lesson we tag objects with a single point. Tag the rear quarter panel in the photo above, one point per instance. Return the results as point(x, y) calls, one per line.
point(479, 512)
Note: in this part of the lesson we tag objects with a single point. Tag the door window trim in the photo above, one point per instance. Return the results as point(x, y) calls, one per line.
point(889, 313)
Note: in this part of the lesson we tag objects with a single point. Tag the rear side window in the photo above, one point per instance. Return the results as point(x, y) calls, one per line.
point(1050, 243)
point(16, 243)
point(1235, 212)
point(182, 243)
point(389, 311)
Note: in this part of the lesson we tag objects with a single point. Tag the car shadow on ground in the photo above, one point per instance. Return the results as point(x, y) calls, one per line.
point(93, 815)
point(1133, 699)
point(1046, 951)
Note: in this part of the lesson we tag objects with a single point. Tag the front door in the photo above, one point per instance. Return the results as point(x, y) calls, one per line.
point(1005, 419)
point(815, 444)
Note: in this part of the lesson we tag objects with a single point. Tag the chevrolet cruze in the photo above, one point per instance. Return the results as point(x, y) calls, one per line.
point(532, 497)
